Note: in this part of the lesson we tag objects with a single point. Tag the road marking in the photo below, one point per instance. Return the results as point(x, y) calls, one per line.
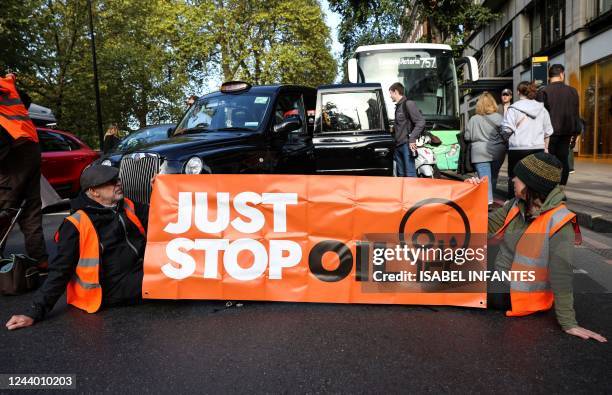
point(580, 271)
point(64, 213)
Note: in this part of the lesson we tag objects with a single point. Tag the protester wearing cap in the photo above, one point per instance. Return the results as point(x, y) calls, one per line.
point(536, 233)
point(100, 250)
point(506, 102)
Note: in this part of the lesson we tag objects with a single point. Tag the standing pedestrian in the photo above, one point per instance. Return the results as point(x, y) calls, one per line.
point(190, 100)
point(561, 101)
point(528, 126)
point(409, 124)
point(20, 170)
point(506, 101)
point(111, 138)
point(488, 147)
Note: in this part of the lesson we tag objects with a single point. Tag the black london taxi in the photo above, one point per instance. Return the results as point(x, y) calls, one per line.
point(282, 129)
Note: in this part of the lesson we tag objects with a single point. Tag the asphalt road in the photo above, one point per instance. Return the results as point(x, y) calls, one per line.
point(205, 346)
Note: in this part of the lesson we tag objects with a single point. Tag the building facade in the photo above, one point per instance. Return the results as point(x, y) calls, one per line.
point(574, 33)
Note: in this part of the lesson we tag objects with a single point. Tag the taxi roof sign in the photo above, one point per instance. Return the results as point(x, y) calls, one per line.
point(235, 86)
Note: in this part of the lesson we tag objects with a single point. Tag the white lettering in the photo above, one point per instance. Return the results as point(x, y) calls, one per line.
point(279, 202)
point(257, 218)
point(211, 249)
point(260, 261)
point(185, 261)
point(278, 261)
point(201, 212)
point(183, 222)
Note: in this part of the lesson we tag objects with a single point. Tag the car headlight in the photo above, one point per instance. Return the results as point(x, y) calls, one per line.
point(106, 162)
point(194, 166)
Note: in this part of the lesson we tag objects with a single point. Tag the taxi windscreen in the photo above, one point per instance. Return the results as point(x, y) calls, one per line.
point(226, 112)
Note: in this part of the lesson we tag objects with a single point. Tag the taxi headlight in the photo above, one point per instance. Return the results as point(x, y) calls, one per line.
point(194, 166)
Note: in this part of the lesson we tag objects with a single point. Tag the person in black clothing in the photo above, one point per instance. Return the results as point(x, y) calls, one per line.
point(408, 126)
point(20, 170)
point(122, 247)
point(562, 103)
point(111, 139)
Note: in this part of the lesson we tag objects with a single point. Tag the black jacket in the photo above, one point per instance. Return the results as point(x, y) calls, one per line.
point(110, 143)
point(121, 255)
point(409, 122)
point(562, 104)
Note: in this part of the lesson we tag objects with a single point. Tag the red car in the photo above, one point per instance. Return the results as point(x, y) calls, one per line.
point(64, 157)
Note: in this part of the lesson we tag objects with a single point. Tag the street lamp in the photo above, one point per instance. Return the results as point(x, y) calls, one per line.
point(95, 75)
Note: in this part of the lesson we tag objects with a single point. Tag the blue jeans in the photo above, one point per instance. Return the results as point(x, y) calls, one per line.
point(404, 161)
point(491, 171)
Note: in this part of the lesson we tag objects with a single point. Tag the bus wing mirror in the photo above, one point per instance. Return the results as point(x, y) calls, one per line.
point(352, 70)
point(472, 67)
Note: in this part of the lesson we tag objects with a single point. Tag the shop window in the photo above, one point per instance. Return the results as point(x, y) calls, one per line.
point(596, 108)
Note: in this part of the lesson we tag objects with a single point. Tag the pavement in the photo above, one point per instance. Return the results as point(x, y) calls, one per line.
point(589, 192)
point(256, 347)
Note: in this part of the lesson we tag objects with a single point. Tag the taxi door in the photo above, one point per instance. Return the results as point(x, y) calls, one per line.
point(351, 133)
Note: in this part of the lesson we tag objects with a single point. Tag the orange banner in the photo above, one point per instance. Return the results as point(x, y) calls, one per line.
point(306, 238)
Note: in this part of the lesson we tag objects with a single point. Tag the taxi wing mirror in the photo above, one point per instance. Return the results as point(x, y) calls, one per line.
point(288, 125)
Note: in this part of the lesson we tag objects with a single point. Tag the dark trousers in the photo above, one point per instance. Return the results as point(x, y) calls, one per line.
point(20, 181)
point(559, 146)
point(514, 157)
point(405, 162)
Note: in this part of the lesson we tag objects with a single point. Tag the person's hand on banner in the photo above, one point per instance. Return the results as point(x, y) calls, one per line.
point(586, 334)
point(474, 180)
point(19, 321)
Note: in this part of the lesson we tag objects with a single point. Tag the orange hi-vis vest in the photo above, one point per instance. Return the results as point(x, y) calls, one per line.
point(84, 290)
point(13, 114)
point(532, 255)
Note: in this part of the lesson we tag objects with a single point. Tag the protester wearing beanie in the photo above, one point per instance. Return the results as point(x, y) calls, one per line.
point(537, 191)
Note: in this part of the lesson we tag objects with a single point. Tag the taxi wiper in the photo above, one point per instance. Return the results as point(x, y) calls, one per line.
point(195, 129)
point(234, 128)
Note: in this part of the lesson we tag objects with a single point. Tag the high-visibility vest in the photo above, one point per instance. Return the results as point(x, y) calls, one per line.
point(532, 254)
point(13, 114)
point(84, 290)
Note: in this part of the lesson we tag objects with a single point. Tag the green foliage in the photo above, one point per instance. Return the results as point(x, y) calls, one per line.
point(367, 22)
point(153, 53)
point(276, 41)
point(455, 20)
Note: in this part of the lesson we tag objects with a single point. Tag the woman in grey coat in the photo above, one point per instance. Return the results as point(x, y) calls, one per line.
point(488, 148)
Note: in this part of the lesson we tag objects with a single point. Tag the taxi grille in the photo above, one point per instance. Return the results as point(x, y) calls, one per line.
point(136, 171)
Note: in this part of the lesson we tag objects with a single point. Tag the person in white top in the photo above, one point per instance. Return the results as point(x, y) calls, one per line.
point(528, 127)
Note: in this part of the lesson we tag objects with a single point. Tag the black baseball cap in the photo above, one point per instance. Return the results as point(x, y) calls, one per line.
point(96, 175)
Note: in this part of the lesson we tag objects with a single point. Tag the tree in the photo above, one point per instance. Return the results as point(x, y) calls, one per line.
point(153, 53)
point(278, 41)
point(454, 20)
point(366, 22)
